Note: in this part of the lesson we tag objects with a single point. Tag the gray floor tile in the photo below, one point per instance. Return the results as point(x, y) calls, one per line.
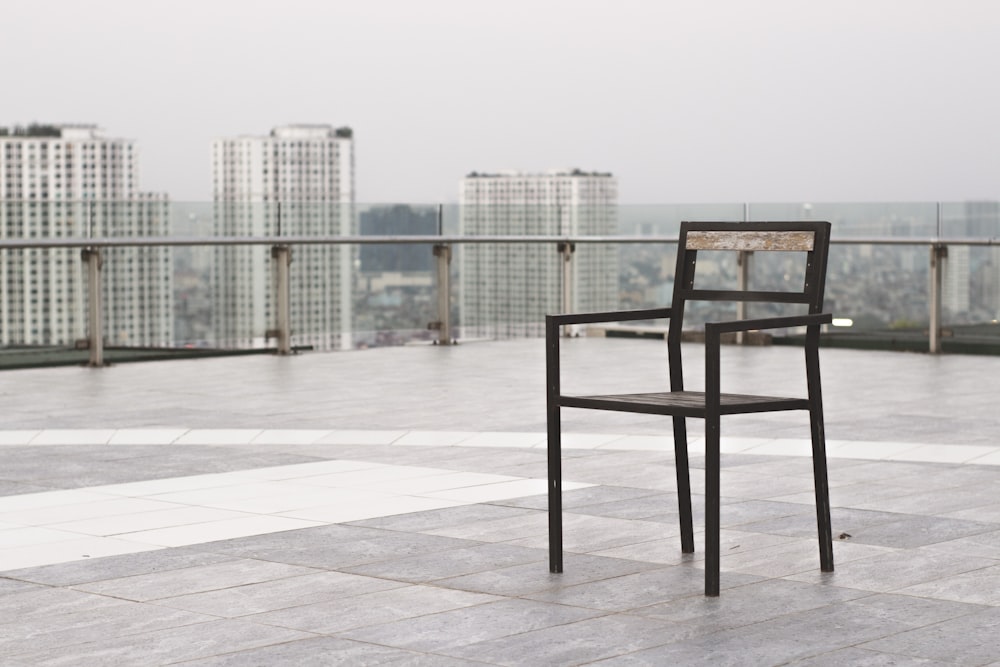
point(196, 579)
point(357, 611)
point(115, 567)
point(532, 577)
point(774, 642)
point(201, 640)
point(864, 658)
point(895, 570)
point(576, 643)
point(470, 625)
point(969, 640)
point(435, 520)
point(635, 591)
point(58, 630)
point(747, 605)
point(312, 652)
point(451, 563)
point(976, 587)
point(265, 596)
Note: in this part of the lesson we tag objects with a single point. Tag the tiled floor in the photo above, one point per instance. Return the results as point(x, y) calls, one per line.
point(168, 513)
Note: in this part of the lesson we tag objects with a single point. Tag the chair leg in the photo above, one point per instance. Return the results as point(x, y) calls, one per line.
point(555, 490)
point(683, 484)
point(822, 487)
point(712, 483)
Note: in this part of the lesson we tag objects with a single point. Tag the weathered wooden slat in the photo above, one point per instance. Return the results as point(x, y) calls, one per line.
point(750, 241)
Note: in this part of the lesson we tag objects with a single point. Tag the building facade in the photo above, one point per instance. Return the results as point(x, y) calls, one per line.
point(298, 180)
point(507, 289)
point(59, 181)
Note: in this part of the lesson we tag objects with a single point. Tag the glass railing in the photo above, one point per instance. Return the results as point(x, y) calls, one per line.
point(216, 276)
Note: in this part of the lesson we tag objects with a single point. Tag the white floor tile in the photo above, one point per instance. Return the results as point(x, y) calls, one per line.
point(358, 511)
point(434, 438)
point(147, 436)
point(361, 437)
point(306, 470)
point(218, 436)
point(19, 537)
point(30, 501)
point(17, 437)
point(70, 550)
point(290, 437)
point(77, 511)
point(73, 437)
point(504, 439)
point(945, 454)
point(131, 523)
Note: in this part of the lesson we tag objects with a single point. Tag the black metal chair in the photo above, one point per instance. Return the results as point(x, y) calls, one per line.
point(812, 239)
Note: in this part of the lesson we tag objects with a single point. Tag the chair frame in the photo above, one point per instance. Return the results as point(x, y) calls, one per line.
point(811, 237)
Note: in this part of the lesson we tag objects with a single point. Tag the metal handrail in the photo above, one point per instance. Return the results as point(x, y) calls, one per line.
point(937, 245)
point(146, 241)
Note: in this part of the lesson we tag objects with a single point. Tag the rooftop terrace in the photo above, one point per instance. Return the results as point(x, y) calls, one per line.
point(386, 506)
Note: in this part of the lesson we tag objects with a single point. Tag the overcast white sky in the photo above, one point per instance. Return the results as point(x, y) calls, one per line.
point(684, 101)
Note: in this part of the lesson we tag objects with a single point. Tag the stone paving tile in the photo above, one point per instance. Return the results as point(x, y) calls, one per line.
point(976, 587)
point(519, 580)
point(917, 531)
point(587, 534)
point(642, 589)
point(195, 579)
point(83, 627)
point(773, 642)
point(372, 609)
point(668, 551)
point(266, 596)
point(41, 604)
point(438, 632)
point(968, 640)
point(747, 605)
point(431, 520)
point(114, 567)
point(337, 546)
point(324, 651)
point(576, 643)
point(164, 646)
point(864, 658)
point(451, 563)
point(985, 545)
point(591, 495)
point(895, 570)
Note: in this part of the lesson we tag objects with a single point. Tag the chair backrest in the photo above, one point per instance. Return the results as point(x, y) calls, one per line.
point(809, 237)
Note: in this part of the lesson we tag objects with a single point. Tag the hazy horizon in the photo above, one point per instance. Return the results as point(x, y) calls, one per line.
point(712, 101)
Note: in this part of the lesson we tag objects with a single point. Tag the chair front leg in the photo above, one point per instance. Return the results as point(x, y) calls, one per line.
point(555, 491)
point(712, 490)
point(683, 472)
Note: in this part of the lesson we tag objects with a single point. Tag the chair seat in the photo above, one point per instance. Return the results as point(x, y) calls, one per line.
point(683, 403)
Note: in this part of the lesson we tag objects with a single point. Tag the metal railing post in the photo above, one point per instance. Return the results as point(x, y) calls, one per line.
point(743, 259)
point(95, 325)
point(282, 256)
point(939, 254)
point(442, 251)
point(566, 250)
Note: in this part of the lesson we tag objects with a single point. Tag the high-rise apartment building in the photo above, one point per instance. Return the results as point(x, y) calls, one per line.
point(299, 180)
point(61, 181)
point(507, 289)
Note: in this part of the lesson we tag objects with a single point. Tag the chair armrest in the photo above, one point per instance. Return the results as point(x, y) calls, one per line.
point(814, 319)
point(608, 316)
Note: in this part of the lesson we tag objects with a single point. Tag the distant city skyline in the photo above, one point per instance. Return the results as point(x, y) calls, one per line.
point(712, 101)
